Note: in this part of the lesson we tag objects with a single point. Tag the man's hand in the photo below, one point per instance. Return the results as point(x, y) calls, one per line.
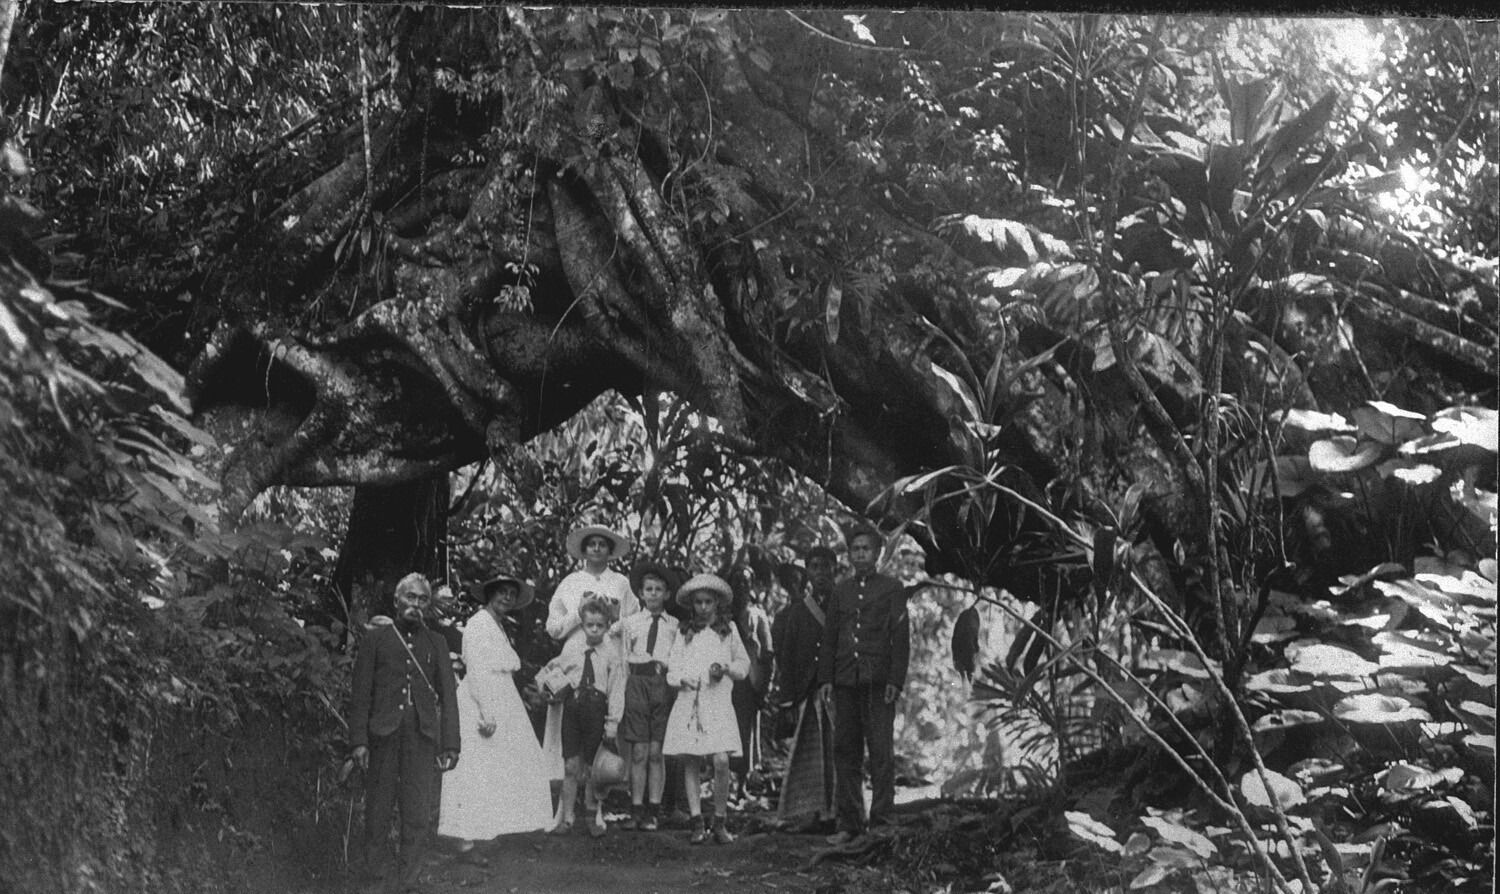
point(825, 692)
point(447, 760)
point(611, 729)
point(361, 757)
point(486, 728)
point(891, 693)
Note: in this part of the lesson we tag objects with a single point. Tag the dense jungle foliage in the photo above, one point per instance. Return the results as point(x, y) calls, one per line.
point(1169, 343)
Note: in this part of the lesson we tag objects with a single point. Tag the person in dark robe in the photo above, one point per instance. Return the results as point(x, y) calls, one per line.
point(806, 803)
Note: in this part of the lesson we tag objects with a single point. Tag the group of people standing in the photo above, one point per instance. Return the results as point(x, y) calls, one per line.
point(637, 681)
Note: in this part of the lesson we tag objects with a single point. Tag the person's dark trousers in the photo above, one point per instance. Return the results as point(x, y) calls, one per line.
point(400, 770)
point(672, 797)
point(746, 700)
point(863, 721)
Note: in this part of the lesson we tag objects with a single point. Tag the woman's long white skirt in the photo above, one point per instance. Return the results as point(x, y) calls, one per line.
point(501, 784)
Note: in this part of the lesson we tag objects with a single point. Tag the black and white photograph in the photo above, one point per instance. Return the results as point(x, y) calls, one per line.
point(626, 450)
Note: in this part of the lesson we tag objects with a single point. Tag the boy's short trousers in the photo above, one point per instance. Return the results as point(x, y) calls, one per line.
point(583, 717)
point(648, 704)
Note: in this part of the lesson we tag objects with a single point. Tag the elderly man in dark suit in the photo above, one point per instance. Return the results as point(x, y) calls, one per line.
point(862, 666)
point(403, 722)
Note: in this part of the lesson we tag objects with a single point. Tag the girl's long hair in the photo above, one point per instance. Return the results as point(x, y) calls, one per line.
point(720, 624)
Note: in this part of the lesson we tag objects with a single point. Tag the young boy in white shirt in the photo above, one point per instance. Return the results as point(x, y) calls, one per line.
point(646, 639)
point(592, 702)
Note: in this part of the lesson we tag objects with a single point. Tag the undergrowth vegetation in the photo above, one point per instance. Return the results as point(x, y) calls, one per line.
point(147, 696)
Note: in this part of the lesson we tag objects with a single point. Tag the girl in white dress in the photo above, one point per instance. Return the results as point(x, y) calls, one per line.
point(595, 546)
point(704, 662)
point(500, 784)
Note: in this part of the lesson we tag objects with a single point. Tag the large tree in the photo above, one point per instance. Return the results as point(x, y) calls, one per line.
point(870, 246)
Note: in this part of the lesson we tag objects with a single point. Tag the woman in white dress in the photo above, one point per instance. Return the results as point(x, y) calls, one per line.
point(500, 784)
point(595, 546)
point(703, 665)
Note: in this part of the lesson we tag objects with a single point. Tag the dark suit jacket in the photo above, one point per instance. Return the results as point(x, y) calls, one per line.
point(384, 675)
point(798, 636)
point(867, 639)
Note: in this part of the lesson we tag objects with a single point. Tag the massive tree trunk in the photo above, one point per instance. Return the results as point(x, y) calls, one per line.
point(393, 530)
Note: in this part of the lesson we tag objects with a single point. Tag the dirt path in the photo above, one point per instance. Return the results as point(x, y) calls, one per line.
point(633, 863)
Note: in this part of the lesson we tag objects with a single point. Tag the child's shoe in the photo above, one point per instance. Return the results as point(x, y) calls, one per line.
point(632, 822)
point(721, 833)
point(597, 829)
point(648, 818)
point(701, 833)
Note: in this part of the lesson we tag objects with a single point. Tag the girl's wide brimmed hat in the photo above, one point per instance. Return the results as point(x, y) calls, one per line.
point(655, 569)
point(574, 543)
point(523, 598)
point(711, 582)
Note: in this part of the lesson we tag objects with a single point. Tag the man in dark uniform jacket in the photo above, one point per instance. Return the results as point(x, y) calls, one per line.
point(403, 722)
point(862, 666)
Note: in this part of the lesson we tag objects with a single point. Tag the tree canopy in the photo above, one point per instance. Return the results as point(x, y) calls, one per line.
point(835, 234)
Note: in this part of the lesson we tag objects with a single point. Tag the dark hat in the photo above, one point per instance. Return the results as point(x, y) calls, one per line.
point(523, 599)
point(825, 552)
point(710, 582)
point(641, 569)
point(791, 576)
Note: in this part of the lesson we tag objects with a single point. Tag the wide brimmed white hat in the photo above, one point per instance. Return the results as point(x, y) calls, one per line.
point(575, 540)
point(710, 582)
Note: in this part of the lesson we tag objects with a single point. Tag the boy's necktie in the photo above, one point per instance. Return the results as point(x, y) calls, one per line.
point(651, 637)
point(587, 679)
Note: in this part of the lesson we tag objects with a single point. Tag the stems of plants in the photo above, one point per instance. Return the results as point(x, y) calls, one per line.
point(1178, 624)
point(1211, 491)
point(1158, 423)
point(1172, 716)
point(1141, 723)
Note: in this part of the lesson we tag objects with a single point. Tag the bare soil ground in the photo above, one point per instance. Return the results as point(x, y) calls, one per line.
point(621, 862)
